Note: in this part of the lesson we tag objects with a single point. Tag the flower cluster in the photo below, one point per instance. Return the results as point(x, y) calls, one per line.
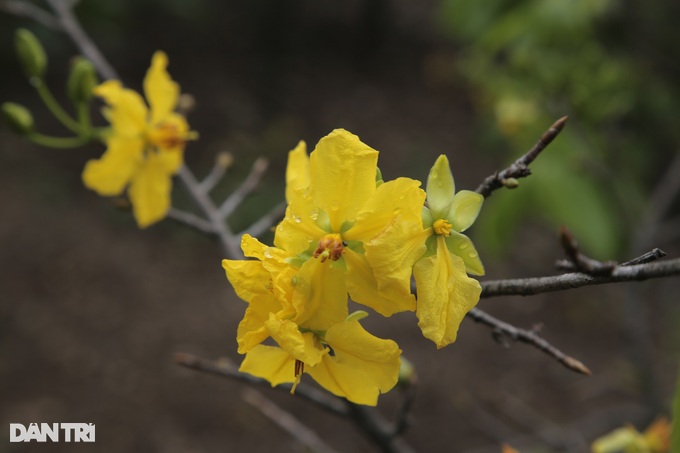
point(145, 145)
point(349, 234)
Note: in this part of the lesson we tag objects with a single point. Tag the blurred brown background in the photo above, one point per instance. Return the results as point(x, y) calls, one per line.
point(92, 309)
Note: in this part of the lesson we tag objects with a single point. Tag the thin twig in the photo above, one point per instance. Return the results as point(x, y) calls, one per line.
point(223, 161)
point(377, 429)
point(287, 421)
point(520, 168)
point(71, 26)
point(652, 255)
point(581, 262)
point(527, 336)
point(246, 188)
point(265, 222)
point(538, 285)
point(403, 420)
point(191, 220)
point(31, 11)
point(226, 368)
point(229, 242)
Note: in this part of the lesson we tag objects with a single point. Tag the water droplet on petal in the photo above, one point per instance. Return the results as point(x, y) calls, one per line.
point(463, 246)
point(314, 214)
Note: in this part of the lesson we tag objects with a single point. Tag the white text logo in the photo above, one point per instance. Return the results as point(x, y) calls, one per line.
point(53, 432)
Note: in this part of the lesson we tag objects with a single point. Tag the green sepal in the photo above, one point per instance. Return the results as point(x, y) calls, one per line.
point(440, 188)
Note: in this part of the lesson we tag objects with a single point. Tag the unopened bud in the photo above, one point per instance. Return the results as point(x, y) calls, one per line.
point(18, 117)
point(510, 183)
point(30, 52)
point(81, 81)
point(407, 373)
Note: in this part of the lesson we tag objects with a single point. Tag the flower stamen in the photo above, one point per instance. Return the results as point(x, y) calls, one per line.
point(330, 246)
point(442, 227)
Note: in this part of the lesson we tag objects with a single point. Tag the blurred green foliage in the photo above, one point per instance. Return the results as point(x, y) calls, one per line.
point(530, 62)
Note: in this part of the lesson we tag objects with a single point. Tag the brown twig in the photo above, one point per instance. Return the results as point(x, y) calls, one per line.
point(287, 421)
point(226, 368)
point(581, 262)
point(192, 220)
point(538, 285)
point(506, 330)
point(520, 168)
point(365, 418)
point(223, 161)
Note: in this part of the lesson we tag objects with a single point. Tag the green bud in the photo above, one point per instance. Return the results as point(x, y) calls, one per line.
point(18, 117)
point(510, 183)
point(407, 373)
point(81, 81)
point(31, 53)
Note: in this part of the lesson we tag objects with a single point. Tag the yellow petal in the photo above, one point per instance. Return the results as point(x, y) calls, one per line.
point(150, 192)
point(128, 113)
point(465, 209)
point(320, 296)
point(445, 294)
point(297, 173)
point(402, 197)
point(363, 287)
point(302, 346)
point(342, 176)
point(270, 363)
point(248, 277)
point(298, 230)
point(252, 330)
point(393, 254)
point(110, 174)
point(361, 366)
point(462, 246)
point(160, 90)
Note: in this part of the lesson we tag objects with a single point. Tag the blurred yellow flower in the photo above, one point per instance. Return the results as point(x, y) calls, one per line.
point(144, 146)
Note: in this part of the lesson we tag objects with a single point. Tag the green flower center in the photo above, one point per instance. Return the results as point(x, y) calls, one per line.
point(442, 227)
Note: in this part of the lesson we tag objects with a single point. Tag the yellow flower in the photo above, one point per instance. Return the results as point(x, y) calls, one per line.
point(275, 283)
point(339, 216)
point(345, 359)
point(145, 145)
point(445, 292)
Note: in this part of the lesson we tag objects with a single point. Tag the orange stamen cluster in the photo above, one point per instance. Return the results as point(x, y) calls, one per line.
point(330, 246)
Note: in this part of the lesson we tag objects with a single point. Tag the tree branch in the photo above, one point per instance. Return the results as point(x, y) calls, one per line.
point(31, 11)
point(505, 330)
point(246, 188)
point(520, 168)
point(537, 285)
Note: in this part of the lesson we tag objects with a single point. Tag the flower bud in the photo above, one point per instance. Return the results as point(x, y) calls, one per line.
point(18, 117)
point(31, 53)
point(81, 81)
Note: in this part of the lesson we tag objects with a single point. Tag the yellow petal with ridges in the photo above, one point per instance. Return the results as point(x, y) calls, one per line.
point(252, 330)
point(160, 90)
point(298, 230)
point(362, 366)
point(297, 173)
point(393, 253)
point(342, 176)
point(150, 192)
point(401, 197)
point(445, 294)
point(248, 277)
point(320, 295)
point(363, 288)
point(270, 363)
point(302, 346)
